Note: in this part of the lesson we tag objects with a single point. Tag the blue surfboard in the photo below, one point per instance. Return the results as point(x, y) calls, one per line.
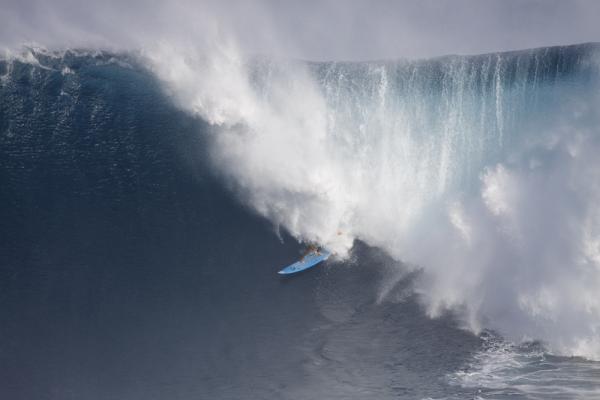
point(309, 260)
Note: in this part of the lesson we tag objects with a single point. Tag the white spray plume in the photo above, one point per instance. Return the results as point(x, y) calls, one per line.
point(270, 142)
point(336, 151)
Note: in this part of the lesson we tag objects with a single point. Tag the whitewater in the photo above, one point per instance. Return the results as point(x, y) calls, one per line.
point(460, 195)
point(481, 171)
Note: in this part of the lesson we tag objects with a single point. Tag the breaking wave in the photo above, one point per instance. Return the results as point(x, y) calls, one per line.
point(482, 171)
point(479, 171)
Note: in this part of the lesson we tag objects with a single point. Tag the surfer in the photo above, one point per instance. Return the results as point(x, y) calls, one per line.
point(311, 249)
point(312, 255)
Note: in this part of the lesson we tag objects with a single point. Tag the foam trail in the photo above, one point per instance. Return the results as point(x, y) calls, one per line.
point(480, 170)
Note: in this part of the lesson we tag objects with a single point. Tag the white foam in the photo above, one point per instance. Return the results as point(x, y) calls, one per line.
point(498, 207)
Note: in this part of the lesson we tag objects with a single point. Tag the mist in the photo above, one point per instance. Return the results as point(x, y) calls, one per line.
point(312, 30)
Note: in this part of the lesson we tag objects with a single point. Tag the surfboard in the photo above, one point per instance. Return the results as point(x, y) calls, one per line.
point(309, 260)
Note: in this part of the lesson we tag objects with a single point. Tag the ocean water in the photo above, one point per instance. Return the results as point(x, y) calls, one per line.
point(148, 199)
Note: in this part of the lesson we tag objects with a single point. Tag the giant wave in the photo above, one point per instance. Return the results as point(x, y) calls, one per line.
point(478, 171)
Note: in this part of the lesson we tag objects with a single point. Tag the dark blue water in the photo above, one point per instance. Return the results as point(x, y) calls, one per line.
point(129, 271)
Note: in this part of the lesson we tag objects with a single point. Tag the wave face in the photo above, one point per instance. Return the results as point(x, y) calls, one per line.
point(463, 186)
point(480, 170)
point(129, 271)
